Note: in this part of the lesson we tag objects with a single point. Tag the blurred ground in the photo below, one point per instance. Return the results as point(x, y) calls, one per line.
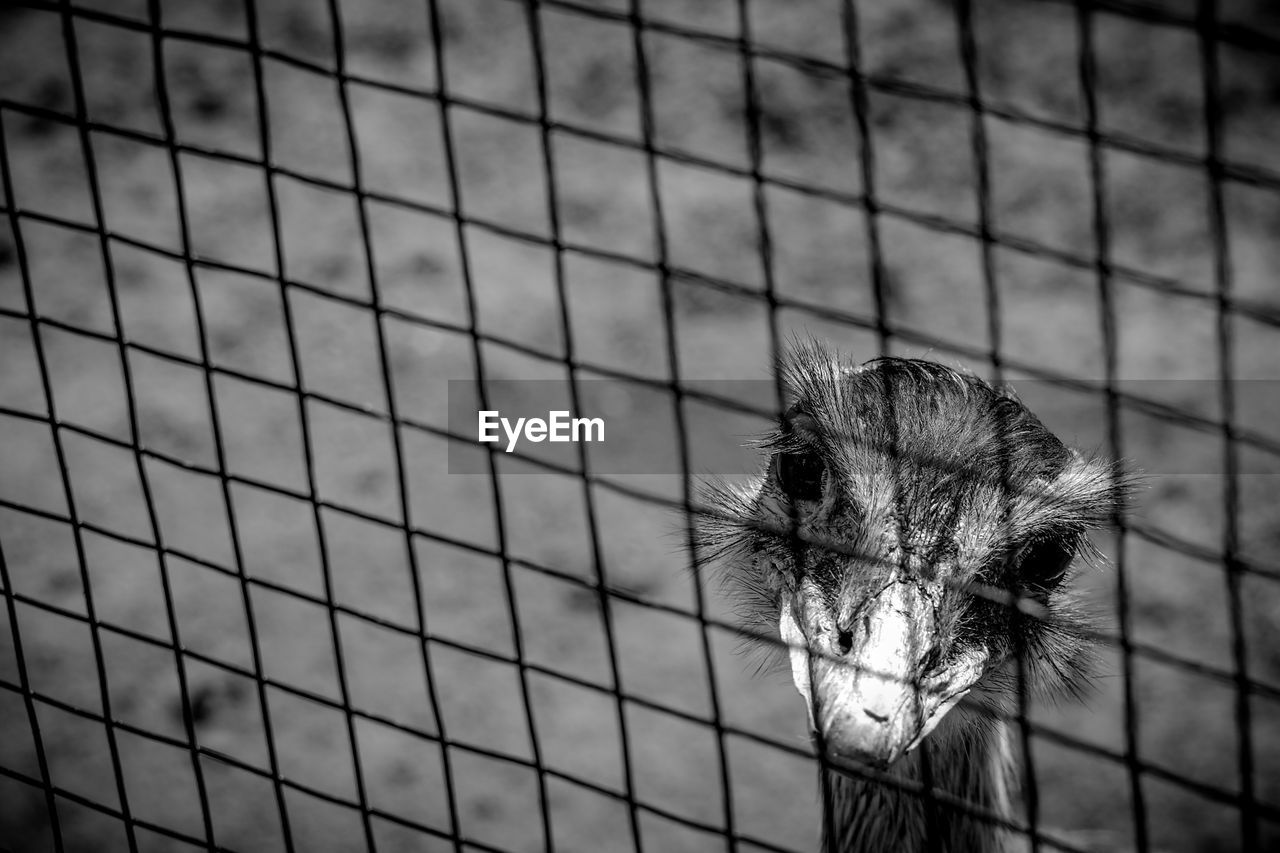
point(1149, 89)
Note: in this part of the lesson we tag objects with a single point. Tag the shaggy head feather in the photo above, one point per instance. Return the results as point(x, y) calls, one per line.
point(912, 535)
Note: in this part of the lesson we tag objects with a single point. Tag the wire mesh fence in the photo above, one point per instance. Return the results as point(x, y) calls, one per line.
point(246, 245)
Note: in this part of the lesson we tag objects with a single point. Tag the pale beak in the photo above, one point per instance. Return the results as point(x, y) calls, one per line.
point(869, 697)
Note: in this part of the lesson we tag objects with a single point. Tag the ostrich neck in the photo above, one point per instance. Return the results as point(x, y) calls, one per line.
point(973, 763)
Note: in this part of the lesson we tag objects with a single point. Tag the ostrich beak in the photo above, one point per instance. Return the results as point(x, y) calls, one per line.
point(869, 695)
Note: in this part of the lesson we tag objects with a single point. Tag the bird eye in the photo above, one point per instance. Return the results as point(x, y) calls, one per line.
point(1044, 563)
point(799, 475)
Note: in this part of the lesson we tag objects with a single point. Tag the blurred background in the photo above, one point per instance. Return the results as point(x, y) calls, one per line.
point(224, 276)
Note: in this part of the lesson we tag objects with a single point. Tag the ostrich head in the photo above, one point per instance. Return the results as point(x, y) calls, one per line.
point(910, 539)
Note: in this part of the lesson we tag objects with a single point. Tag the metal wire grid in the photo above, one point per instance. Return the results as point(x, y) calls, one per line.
point(1109, 275)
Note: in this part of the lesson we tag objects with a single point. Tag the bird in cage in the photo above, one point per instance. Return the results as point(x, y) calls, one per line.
point(910, 549)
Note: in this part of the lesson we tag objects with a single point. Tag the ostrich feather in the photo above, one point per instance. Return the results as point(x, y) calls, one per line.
point(941, 505)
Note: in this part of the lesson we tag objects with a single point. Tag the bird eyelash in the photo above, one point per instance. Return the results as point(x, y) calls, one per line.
point(789, 438)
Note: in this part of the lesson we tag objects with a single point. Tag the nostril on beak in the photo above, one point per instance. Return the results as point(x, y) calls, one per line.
point(844, 642)
point(879, 718)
